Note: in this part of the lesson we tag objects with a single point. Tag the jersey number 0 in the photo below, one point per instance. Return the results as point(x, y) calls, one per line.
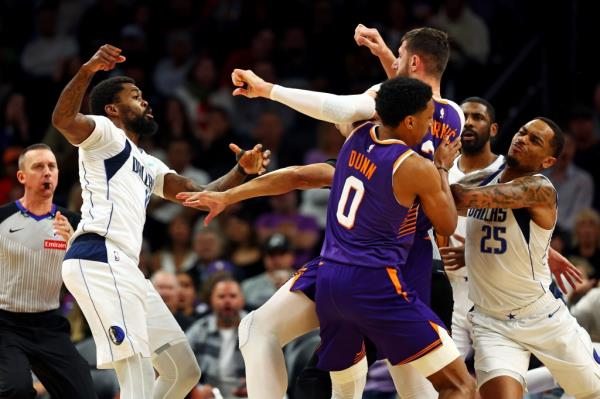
point(352, 184)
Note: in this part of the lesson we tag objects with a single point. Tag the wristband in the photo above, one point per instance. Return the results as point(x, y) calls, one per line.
point(442, 168)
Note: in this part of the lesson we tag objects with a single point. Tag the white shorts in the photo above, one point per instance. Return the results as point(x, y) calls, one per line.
point(551, 333)
point(462, 330)
point(125, 313)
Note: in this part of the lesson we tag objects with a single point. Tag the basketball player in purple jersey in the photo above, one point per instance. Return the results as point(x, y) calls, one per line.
point(360, 291)
point(423, 55)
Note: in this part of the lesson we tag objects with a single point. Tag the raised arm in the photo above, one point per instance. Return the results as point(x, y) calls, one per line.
point(371, 39)
point(523, 192)
point(277, 182)
point(322, 106)
point(66, 117)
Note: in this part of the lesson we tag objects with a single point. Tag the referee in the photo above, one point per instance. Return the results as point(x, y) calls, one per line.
point(34, 336)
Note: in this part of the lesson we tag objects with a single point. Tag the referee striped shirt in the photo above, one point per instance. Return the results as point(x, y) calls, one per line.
point(31, 258)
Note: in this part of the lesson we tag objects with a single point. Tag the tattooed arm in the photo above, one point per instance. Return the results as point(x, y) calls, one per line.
point(66, 117)
point(523, 192)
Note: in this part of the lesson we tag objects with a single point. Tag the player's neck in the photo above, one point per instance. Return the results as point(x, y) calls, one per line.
point(134, 137)
point(511, 173)
point(36, 204)
point(435, 84)
point(470, 162)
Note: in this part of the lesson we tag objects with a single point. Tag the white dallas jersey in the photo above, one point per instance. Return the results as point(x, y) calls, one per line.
point(507, 257)
point(454, 176)
point(117, 179)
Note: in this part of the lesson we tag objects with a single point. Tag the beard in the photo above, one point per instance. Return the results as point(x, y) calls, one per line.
point(475, 146)
point(512, 162)
point(142, 125)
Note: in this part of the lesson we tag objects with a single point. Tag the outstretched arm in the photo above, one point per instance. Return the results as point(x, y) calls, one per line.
point(66, 117)
point(523, 192)
point(371, 39)
point(322, 106)
point(250, 162)
point(277, 182)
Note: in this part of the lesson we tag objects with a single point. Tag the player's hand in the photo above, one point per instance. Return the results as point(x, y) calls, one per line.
point(254, 161)
point(454, 257)
point(371, 39)
point(216, 202)
point(249, 84)
point(105, 59)
point(205, 391)
point(446, 153)
point(62, 227)
point(561, 267)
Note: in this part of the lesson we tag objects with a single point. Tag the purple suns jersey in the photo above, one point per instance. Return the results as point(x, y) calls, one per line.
point(366, 226)
point(448, 122)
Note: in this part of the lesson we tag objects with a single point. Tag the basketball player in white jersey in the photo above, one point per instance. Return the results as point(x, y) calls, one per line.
point(476, 156)
point(510, 220)
point(131, 325)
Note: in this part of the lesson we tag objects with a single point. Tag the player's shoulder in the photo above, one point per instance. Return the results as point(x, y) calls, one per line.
point(450, 110)
point(7, 210)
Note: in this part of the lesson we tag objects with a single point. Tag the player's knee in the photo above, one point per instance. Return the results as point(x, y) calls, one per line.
point(244, 333)
point(462, 385)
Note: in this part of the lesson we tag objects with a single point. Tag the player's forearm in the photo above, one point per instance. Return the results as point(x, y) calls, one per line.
point(278, 182)
point(231, 179)
point(324, 106)
point(387, 60)
point(449, 202)
point(69, 102)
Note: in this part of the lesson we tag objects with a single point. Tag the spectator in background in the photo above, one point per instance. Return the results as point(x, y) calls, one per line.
point(329, 142)
point(170, 72)
point(585, 308)
point(586, 242)
point(214, 339)
point(279, 262)
point(285, 219)
point(14, 122)
point(195, 92)
point(574, 186)
point(46, 55)
point(188, 297)
point(208, 245)
point(179, 155)
point(177, 255)
point(469, 39)
point(587, 144)
point(242, 245)
point(167, 286)
point(211, 147)
point(596, 101)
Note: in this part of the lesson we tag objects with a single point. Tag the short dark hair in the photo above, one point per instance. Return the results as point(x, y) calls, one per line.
point(36, 146)
point(210, 284)
point(430, 44)
point(105, 93)
point(558, 140)
point(399, 97)
point(491, 111)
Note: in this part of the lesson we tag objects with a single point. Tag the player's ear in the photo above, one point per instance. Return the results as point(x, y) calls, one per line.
point(409, 121)
point(111, 110)
point(493, 129)
point(414, 63)
point(548, 162)
point(21, 176)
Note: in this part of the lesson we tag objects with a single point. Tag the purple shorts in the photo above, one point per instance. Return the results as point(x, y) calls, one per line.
point(357, 302)
point(417, 271)
point(305, 279)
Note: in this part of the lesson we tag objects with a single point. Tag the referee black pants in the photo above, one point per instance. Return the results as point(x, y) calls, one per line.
point(40, 342)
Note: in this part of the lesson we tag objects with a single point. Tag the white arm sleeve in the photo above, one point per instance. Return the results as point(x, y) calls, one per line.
point(324, 106)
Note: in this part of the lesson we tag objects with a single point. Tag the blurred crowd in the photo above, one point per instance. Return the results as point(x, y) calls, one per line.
point(181, 54)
